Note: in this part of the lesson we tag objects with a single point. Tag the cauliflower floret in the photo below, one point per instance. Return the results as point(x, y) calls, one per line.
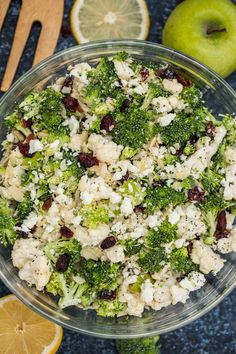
point(32, 263)
point(78, 140)
point(190, 223)
point(126, 207)
point(162, 103)
point(35, 145)
point(230, 182)
point(176, 103)
point(230, 155)
point(193, 281)
point(147, 291)
point(172, 86)
point(162, 297)
point(135, 305)
point(115, 254)
point(197, 162)
point(123, 70)
point(204, 256)
point(166, 119)
point(178, 294)
point(80, 71)
point(145, 166)
point(99, 234)
point(82, 235)
point(94, 189)
point(105, 150)
point(91, 253)
point(226, 245)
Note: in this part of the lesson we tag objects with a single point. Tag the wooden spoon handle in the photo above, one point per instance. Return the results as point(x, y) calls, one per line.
point(4, 4)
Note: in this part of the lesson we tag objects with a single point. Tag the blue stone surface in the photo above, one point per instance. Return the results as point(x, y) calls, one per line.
point(214, 333)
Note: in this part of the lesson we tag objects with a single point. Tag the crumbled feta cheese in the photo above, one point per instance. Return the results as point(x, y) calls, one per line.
point(35, 145)
point(147, 291)
point(126, 207)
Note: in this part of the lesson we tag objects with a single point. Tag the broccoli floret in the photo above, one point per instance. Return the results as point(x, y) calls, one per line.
point(100, 275)
point(211, 181)
point(170, 159)
point(213, 204)
point(30, 106)
point(23, 209)
point(95, 214)
point(162, 197)
point(121, 56)
point(165, 233)
point(70, 292)
point(188, 183)
point(109, 308)
point(189, 150)
point(132, 128)
point(181, 262)
point(154, 90)
point(138, 346)
point(229, 123)
point(33, 163)
point(50, 109)
point(218, 160)
point(192, 96)
point(7, 223)
point(132, 246)
point(27, 177)
point(133, 190)
point(152, 260)
point(127, 153)
point(15, 121)
point(183, 127)
point(43, 192)
point(56, 248)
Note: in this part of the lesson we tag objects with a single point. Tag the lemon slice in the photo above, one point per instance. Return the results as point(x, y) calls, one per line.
point(23, 331)
point(93, 20)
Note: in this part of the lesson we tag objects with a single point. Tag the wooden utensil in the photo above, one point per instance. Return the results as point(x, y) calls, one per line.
point(4, 4)
point(49, 13)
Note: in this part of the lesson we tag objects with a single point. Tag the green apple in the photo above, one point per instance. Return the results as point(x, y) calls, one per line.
point(205, 30)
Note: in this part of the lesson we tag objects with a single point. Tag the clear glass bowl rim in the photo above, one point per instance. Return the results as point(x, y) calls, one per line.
point(42, 310)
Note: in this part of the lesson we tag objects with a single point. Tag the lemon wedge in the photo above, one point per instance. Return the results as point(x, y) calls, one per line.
point(23, 331)
point(109, 19)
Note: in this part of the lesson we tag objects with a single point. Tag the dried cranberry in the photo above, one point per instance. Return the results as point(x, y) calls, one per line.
point(47, 204)
point(24, 149)
point(144, 72)
point(196, 194)
point(62, 263)
point(87, 160)
point(107, 295)
point(210, 128)
point(68, 83)
point(179, 152)
point(125, 105)
point(70, 103)
point(22, 234)
point(108, 123)
point(65, 30)
point(165, 74)
point(139, 209)
point(108, 242)
point(190, 247)
point(66, 232)
point(183, 80)
point(221, 224)
point(27, 123)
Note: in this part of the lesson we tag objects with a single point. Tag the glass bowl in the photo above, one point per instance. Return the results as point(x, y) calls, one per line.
point(220, 98)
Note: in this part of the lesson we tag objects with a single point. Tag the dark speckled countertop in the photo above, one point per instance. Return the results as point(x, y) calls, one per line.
point(214, 333)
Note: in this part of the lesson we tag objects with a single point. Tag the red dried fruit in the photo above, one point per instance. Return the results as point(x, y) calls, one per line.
point(27, 123)
point(139, 209)
point(30, 137)
point(66, 232)
point(179, 152)
point(108, 123)
point(221, 225)
point(87, 160)
point(144, 72)
point(47, 204)
point(70, 103)
point(125, 105)
point(221, 234)
point(108, 242)
point(196, 194)
point(183, 80)
point(107, 295)
point(62, 263)
point(210, 128)
point(165, 74)
point(24, 149)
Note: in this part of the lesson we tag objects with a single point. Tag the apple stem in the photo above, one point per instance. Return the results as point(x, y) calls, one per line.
point(211, 30)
